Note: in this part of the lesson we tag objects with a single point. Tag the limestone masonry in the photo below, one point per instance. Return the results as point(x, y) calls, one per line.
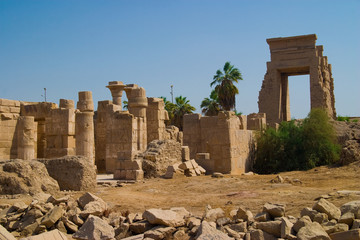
point(295, 56)
point(118, 141)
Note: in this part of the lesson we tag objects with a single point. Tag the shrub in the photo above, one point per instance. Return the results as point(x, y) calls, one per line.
point(297, 145)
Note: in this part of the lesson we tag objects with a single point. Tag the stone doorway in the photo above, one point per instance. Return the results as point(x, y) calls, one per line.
point(292, 56)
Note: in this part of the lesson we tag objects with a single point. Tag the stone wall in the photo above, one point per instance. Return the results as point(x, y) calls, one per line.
point(9, 113)
point(230, 147)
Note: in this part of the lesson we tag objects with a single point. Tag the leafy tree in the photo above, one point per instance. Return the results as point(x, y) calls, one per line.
point(169, 107)
point(225, 87)
point(181, 108)
point(210, 106)
point(126, 104)
point(297, 145)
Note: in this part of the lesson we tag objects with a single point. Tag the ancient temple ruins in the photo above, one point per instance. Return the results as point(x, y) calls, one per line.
point(295, 56)
point(121, 141)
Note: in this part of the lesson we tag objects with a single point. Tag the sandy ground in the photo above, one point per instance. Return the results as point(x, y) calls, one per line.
point(231, 192)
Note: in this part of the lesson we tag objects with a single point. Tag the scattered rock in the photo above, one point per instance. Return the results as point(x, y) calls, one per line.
point(330, 209)
point(217, 175)
point(275, 210)
point(348, 235)
point(277, 179)
point(95, 228)
point(164, 217)
point(5, 235)
point(353, 207)
point(212, 215)
point(206, 231)
point(53, 235)
point(312, 231)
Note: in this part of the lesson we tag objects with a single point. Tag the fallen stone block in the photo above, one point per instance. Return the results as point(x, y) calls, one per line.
point(353, 207)
point(159, 233)
point(212, 215)
point(52, 217)
point(271, 227)
point(312, 231)
point(140, 227)
point(206, 231)
point(330, 209)
point(347, 218)
point(5, 235)
point(275, 210)
point(348, 235)
point(52, 235)
point(95, 228)
point(164, 217)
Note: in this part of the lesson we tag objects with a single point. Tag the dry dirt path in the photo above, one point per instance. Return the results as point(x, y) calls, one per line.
point(234, 191)
point(231, 192)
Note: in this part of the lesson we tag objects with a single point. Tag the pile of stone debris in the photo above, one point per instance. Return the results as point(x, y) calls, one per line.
point(89, 217)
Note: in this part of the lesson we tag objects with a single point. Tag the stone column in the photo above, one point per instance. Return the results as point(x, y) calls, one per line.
point(84, 126)
point(137, 100)
point(26, 138)
point(116, 88)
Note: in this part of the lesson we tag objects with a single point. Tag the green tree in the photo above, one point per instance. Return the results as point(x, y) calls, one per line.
point(126, 104)
point(225, 87)
point(297, 145)
point(169, 107)
point(182, 107)
point(210, 106)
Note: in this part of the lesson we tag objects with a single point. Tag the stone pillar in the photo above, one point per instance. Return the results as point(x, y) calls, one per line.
point(84, 126)
point(137, 101)
point(26, 138)
point(116, 88)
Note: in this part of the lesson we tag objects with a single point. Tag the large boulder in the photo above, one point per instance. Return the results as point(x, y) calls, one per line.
point(206, 231)
point(25, 177)
point(72, 172)
point(327, 207)
point(164, 217)
point(312, 231)
point(95, 228)
point(159, 155)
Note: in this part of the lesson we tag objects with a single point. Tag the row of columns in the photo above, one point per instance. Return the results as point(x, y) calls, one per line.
point(84, 129)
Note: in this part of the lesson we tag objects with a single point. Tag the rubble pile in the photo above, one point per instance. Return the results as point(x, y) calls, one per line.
point(89, 217)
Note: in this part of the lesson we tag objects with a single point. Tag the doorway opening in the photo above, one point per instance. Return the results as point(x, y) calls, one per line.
point(299, 91)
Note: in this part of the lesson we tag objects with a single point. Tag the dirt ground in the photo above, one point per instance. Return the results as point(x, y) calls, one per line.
point(299, 191)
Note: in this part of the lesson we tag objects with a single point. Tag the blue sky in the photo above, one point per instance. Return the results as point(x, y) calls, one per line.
point(72, 46)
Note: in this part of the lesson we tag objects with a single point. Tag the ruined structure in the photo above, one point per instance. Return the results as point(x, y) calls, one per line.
point(219, 143)
point(43, 130)
point(295, 56)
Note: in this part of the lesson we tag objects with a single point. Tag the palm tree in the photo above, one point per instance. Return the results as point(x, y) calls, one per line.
point(169, 107)
point(225, 87)
point(181, 108)
point(210, 106)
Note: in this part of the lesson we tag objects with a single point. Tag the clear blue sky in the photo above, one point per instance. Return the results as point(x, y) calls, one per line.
point(72, 46)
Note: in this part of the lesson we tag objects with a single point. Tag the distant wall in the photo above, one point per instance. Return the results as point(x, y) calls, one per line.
point(9, 113)
point(221, 136)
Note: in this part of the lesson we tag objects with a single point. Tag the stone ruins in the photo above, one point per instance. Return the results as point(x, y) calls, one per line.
point(295, 56)
point(116, 140)
point(120, 141)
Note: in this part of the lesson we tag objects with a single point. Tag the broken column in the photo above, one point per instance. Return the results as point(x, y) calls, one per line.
point(116, 88)
point(127, 166)
point(26, 138)
point(84, 126)
point(155, 119)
